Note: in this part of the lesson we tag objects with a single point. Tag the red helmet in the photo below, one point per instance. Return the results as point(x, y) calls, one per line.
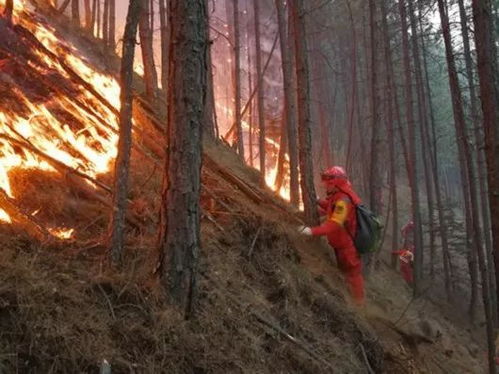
point(333, 173)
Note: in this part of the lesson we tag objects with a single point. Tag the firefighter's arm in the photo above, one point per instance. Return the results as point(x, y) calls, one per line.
point(336, 220)
point(398, 252)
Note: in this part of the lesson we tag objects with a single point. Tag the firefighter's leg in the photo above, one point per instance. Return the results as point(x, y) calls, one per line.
point(351, 266)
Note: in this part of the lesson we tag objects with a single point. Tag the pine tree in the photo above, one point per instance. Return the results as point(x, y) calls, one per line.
point(122, 165)
point(180, 240)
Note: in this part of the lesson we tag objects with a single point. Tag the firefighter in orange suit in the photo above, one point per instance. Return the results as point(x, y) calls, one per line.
point(406, 259)
point(340, 227)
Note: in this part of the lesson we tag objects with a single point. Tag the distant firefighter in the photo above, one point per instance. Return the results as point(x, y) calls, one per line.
point(406, 259)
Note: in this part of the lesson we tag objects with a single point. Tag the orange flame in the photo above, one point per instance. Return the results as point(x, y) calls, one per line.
point(62, 233)
point(91, 150)
point(4, 217)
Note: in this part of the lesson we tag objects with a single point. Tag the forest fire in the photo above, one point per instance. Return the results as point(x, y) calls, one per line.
point(75, 127)
point(40, 130)
point(272, 148)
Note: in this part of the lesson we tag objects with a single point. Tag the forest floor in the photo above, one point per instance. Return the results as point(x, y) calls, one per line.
point(269, 301)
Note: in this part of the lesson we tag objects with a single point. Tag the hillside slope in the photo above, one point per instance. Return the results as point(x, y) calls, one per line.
point(268, 300)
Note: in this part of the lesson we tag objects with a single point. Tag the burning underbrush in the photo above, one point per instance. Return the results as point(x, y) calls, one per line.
point(58, 135)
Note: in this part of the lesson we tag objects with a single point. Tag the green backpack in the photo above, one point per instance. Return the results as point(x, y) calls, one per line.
point(368, 236)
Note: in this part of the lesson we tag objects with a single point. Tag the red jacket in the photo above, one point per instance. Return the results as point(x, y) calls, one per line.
point(341, 222)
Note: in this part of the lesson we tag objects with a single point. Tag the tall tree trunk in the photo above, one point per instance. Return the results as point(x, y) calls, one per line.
point(93, 17)
point(98, 20)
point(88, 14)
point(465, 165)
point(237, 80)
point(423, 128)
point(63, 7)
point(488, 74)
point(431, 141)
point(461, 132)
point(251, 107)
point(304, 113)
point(480, 154)
point(122, 165)
point(375, 178)
point(187, 87)
point(75, 12)
point(9, 9)
point(290, 104)
point(391, 131)
point(112, 25)
point(105, 23)
point(146, 44)
point(165, 43)
point(209, 121)
point(259, 94)
point(353, 95)
point(413, 172)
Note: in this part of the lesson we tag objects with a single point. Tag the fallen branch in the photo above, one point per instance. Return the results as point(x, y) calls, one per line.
point(212, 220)
point(250, 252)
point(366, 360)
point(243, 186)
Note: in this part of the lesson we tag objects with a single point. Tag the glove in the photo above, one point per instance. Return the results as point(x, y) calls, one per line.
point(304, 230)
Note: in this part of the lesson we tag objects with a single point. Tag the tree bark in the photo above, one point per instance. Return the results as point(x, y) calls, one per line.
point(93, 18)
point(480, 154)
point(304, 114)
point(353, 102)
point(209, 120)
point(165, 43)
point(463, 147)
point(290, 104)
point(105, 23)
point(488, 74)
point(413, 170)
point(112, 25)
point(259, 95)
point(432, 146)
point(146, 44)
point(375, 190)
point(122, 165)
point(98, 20)
point(180, 243)
point(64, 6)
point(237, 80)
point(75, 12)
point(423, 128)
point(88, 14)
point(391, 131)
point(461, 132)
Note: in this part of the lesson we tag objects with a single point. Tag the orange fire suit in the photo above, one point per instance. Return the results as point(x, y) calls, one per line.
point(340, 227)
